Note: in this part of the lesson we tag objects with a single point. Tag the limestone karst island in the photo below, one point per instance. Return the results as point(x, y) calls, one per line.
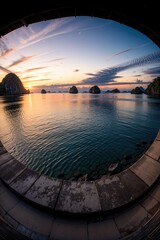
point(12, 85)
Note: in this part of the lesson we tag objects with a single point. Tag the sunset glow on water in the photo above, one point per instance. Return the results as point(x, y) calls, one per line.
point(66, 135)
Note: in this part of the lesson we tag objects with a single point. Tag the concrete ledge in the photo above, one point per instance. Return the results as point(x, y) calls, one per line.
point(44, 191)
point(78, 197)
point(5, 157)
point(158, 136)
point(112, 193)
point(153, 151)
point(10, 170)
point(23, 182)
point(75, 197)
point(146, 169)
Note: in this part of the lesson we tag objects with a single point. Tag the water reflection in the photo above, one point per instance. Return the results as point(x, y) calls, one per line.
point(10, 99)
point(66, 135)
point(13, 105)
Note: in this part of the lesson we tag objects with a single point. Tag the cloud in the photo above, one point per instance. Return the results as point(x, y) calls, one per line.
point(4, 49)
point(126, 83)
point(153, 71)
point(27, 36)
point(53, 29)
point(137, 75)
point(6, 52)
point(30, 77)
point(128, 50)
point(4, 69)
point(21, 60)
point(34, 69)
point(107, 75)
point(76, 70)
point(38, 80)
point(57, 59)
point(119, 53)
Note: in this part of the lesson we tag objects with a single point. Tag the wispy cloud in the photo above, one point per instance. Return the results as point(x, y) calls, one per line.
point(56, 59)
point(27, 36)
point(5, 70)
point(124, 51)
point(7, 52)
point(137, 75)
point(110, 74)
point(19, 61)
point(38, 80)
point(53, 29)
point(128, 50)
point(4, 49)
point(126, 83)
point(34, 69)
point(153, 71)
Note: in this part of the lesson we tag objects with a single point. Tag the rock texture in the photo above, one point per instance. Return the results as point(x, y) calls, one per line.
point(43, 91)
point(94, 89)
point(12, 85)
point(137, 90)
point(154, 88)
point(73, 89)
point(116, 90)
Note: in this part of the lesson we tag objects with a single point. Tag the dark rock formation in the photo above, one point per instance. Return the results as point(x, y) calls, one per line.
point(94, 89)
point(116, 90)
point(43, 91)
point(137, 90)
point(73, 89)
point(12, 85)
point(154, 88)
point(2, 90)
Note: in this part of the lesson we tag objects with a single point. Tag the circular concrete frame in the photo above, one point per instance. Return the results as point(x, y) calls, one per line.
point(75, 197)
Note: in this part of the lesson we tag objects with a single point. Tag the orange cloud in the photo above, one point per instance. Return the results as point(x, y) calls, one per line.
point(7, 52)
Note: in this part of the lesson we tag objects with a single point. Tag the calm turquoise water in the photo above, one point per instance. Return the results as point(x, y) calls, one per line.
point(66, 136)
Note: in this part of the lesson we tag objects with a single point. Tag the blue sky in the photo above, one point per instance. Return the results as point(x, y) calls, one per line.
point(80, 51)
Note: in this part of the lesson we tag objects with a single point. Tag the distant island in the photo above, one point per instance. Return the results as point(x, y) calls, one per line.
point(43, 91)
point(137, 90)
point(12, 85)
point(73, 90)
point(116, 90)
point(95, 89)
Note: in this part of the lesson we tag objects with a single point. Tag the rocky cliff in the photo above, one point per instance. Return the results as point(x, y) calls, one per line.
point(12, 85)
point(137, 90)
point(73, 89)
point(94, 89)
point(154, 88)
point(43, 91)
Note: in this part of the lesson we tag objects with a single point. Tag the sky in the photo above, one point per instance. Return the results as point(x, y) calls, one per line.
point(82, 51)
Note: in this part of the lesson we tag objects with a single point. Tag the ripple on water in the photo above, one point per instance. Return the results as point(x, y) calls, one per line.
point(71, 136)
